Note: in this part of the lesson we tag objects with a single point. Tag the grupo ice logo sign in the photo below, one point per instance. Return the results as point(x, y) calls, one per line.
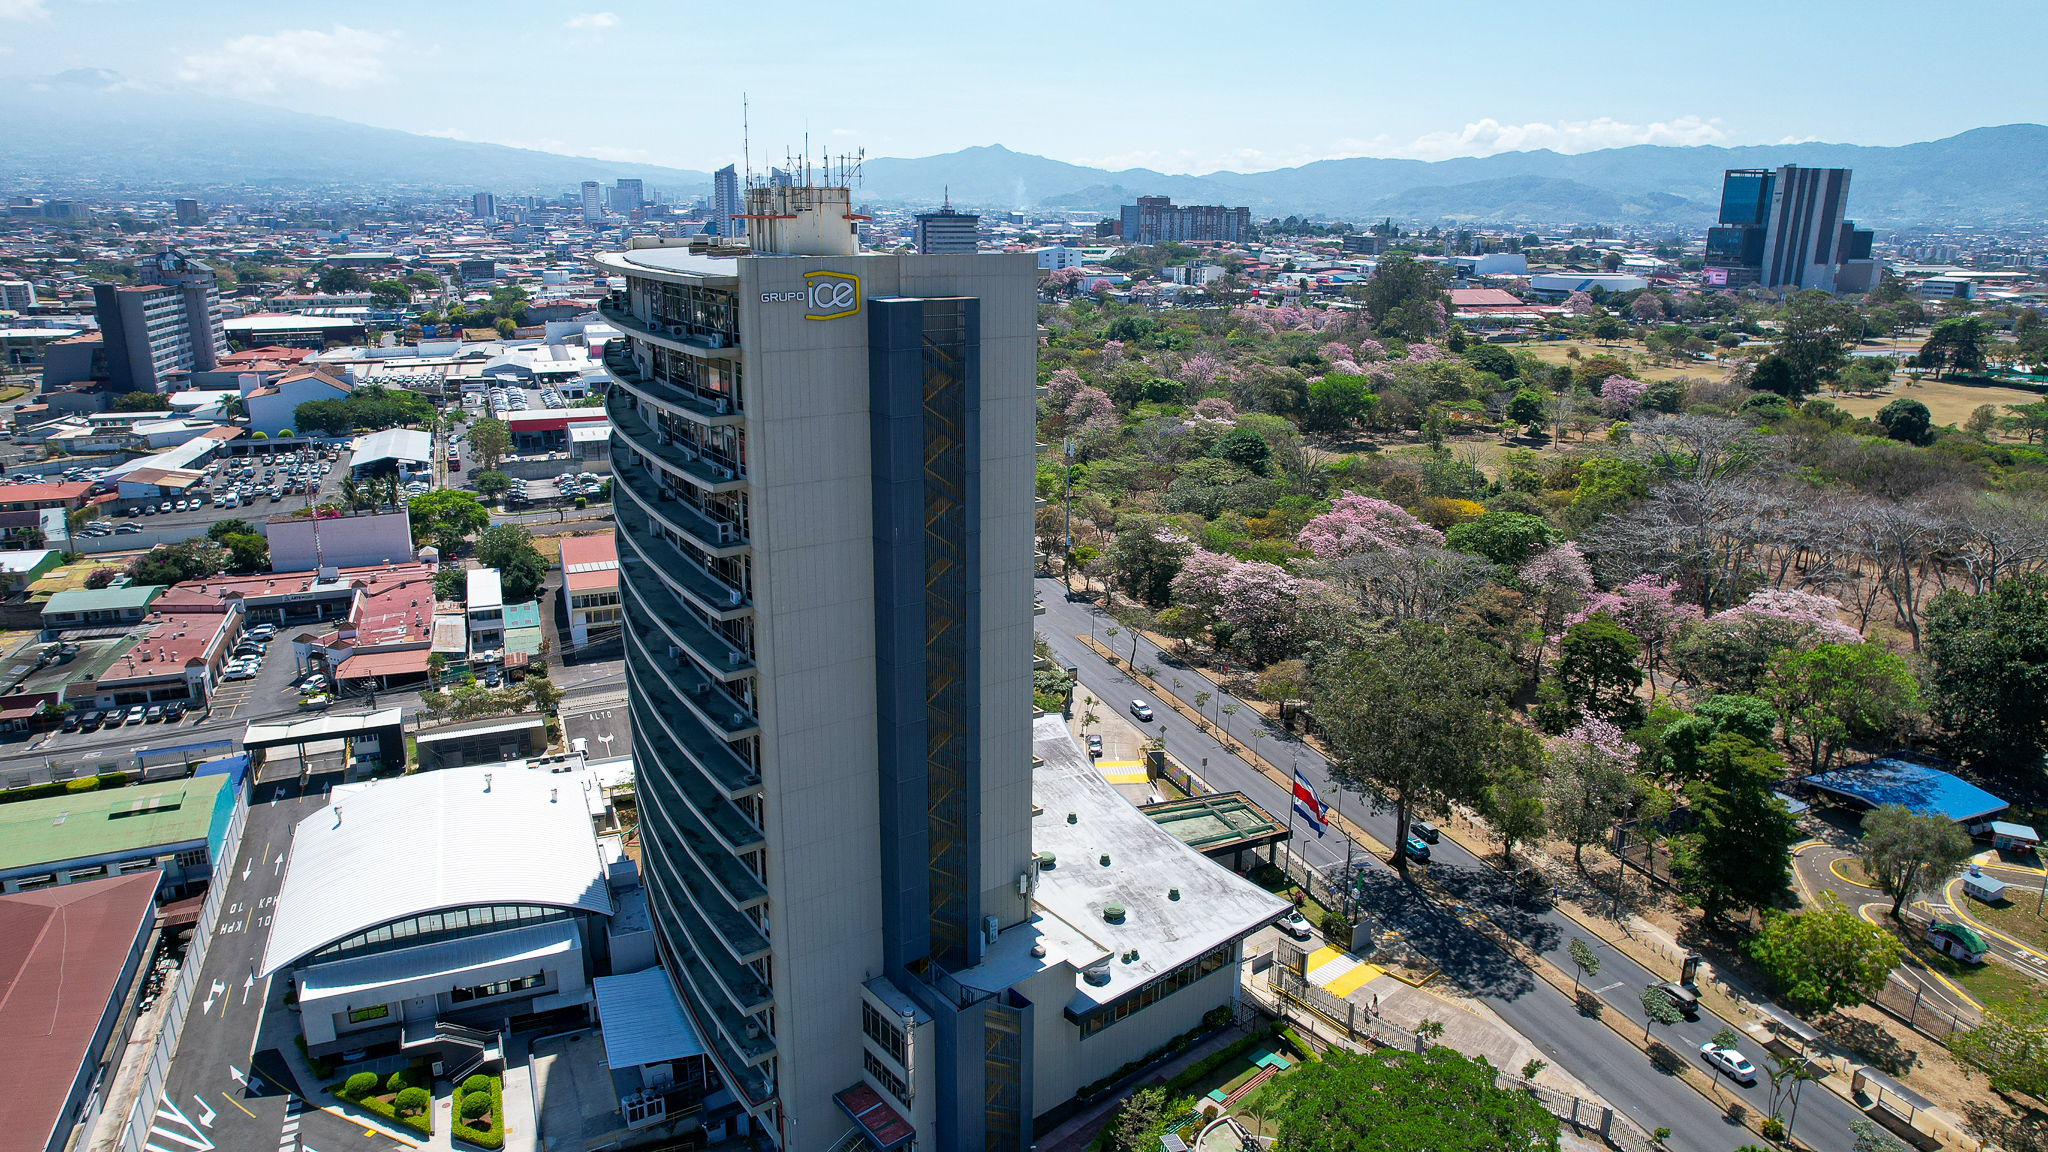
point(825, 295)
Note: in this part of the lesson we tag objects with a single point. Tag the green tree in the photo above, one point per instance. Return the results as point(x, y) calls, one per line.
point(1142, 1113)
point(489, 440)
point(1815, 334)
point(491, 482)
point(1907, 420)
point(1338, 400)
point(1906, 853)
point(140, 402)
point(1739, 854)
point(1589, 787)
point(2010, 1043)
point(193, 559)
point(1826, 957)
point(1405, 297)
point(447, 517)
point(342, 280)
point(451, 584)
point(1832, 693)
point(222, 529)
point(509, 548)
point(1956, 346)
point(1145, 556)
point(1988, 655)
point(390, 293)
point(1527, 408)
point(247, 552)
point(1585, 962)
point(1657, 1008)
point(1245, 448)
point(1512, 801)
point(1597, 672)
point(1685, 739)
point(1509, 538)
point(1416, 714)
point(1492, 358)
point(1397, 1101)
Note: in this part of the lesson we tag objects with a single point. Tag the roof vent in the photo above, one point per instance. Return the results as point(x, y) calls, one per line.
point(1097, 974)
point(1173, 893)
point(1073, 818)
point(1113, 913)
point(1047, 861)
point(1038, 951)
point(1105, 859)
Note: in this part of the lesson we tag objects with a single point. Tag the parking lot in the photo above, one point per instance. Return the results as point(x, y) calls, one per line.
point(253, 493)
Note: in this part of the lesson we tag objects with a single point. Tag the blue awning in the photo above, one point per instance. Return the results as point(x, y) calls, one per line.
point(1928, 791)
point(642, 1022)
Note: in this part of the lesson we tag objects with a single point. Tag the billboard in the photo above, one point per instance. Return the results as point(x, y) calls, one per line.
point(1717, 277)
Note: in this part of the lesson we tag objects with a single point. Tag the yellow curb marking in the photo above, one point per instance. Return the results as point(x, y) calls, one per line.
point(1956, 906)
point(231, 1100)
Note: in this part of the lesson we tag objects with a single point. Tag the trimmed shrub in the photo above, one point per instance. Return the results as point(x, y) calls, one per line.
point(490, 1134)
point(360, 1085)
point(476, 1104)
point(477, 1083)
point(412, 1102)
point(396, 1082)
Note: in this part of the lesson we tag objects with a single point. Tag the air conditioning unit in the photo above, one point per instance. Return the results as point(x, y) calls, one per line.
point(674, 653)
point(727, 533)
point(735, 658)
point(676, 330)
point(733, 597)
point(739, 719)
point(726, 472)
point(662, 437)
point(724, 405)
point(702, 688)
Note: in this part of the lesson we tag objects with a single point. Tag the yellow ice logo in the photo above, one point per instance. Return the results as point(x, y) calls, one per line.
point(830, 295)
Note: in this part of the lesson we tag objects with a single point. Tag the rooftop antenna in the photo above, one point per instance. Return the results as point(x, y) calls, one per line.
point(746, 143)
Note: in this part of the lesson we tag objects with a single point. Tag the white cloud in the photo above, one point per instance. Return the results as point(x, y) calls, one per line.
point(592, 21)
point(23, 10)
point(1489, 136)
point(1799, 139)
point(256, 65)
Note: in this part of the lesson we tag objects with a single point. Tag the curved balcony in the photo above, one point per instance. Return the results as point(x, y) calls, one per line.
point(746, 991)
point(689, 849)
point(713, 652)
point(715, 536)
point(733, 1064)
point(697, 468)
point(723, 819)
point(679, 571)
point(733, 777)
point(681, 337)
point(716, 1018)
point(624, 370)
point(699, 693)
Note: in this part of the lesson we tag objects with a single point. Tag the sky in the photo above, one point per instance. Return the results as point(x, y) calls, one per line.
point(1187, 87)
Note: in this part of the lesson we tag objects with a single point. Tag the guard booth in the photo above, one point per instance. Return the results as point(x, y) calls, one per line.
point(354, 744)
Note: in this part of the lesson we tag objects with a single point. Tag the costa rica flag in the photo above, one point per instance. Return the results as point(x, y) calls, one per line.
point(1305, 802)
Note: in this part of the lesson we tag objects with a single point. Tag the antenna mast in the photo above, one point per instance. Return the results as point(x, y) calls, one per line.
point(746, 143)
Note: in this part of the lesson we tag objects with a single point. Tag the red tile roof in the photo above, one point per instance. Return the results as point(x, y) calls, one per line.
point(62, 951)
point(39, 493)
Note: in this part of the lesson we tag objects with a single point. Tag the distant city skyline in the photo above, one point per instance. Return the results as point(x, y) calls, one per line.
point(1320, 81)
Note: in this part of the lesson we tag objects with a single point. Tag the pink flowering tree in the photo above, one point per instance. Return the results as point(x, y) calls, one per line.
point(1423, 353)
point(1731, 651)
point(1198, 371)
point(1370, 350)
point(1250, 605)
point(1112, 353)
point(1816, 615)
point(1357, 523)
point(1346, 367)
point(1647, 309)
point(1064, 281)
point(1061, 388)
point(1619, 395)
point(1216, 408)
point(1087, 404)
point(1579, 304)
point(1650, 608)
point(1334, 351)
point(1590, 785)
point(1559, 580)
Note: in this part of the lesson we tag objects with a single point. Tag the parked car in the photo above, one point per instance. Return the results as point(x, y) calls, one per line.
point(135, 714)
point(70, 724)
point(1728, 1060)
point(164, 507)
point(263, 631)
point(1682, 998)
point(1417, 850)
point(1424, 830)
point(174, 712)
point(127, 529)
point(1295, 925)
point(313, 684)
point(236, 672)
point(155, 713)
point(1095, 747)
point(1142, 711)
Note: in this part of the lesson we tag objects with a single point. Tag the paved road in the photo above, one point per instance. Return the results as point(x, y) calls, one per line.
point(1581, 1045)
point(1820, 868)
point(222, 1088)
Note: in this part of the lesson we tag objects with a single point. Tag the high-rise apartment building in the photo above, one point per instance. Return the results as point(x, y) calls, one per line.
point(1155, 220)
point(167, 326)
point(593, 202)
point(483, 206)
point(17, 295)
point(823, 466)
point(946, 231)
point(628, 196)
point(189, 213)
point(726, 206)
point(1789, 228)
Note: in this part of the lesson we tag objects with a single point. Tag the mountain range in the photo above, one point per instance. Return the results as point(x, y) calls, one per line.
point(92, 129)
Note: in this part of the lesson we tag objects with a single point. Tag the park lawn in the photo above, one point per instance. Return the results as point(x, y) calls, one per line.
point(2016, 918)
point(1555, 352)
point(1949, 401)
point(1988, 983)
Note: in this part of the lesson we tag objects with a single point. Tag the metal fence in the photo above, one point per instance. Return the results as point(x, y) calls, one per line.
point(1357, 1027)
point(135, 1136)
point(1907, 1003)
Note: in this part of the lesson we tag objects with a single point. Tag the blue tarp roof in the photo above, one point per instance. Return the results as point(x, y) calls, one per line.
point(1928, 791)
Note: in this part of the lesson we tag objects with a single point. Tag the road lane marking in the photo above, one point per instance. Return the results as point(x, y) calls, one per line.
point(231, 1100)
point(1608, 987)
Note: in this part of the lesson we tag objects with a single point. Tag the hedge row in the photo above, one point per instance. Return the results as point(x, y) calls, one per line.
point(1179, 1085)
point(358, 1090)
point(64, 788)
point(494, 1135)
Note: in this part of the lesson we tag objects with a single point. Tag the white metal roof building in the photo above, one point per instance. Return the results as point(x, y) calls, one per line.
point(453, 893)
point(401, 445)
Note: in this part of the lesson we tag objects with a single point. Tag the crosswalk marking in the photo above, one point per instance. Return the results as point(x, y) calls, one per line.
point(167, 1114)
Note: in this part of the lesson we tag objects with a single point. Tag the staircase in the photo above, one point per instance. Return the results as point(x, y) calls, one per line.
point(473, 1047)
